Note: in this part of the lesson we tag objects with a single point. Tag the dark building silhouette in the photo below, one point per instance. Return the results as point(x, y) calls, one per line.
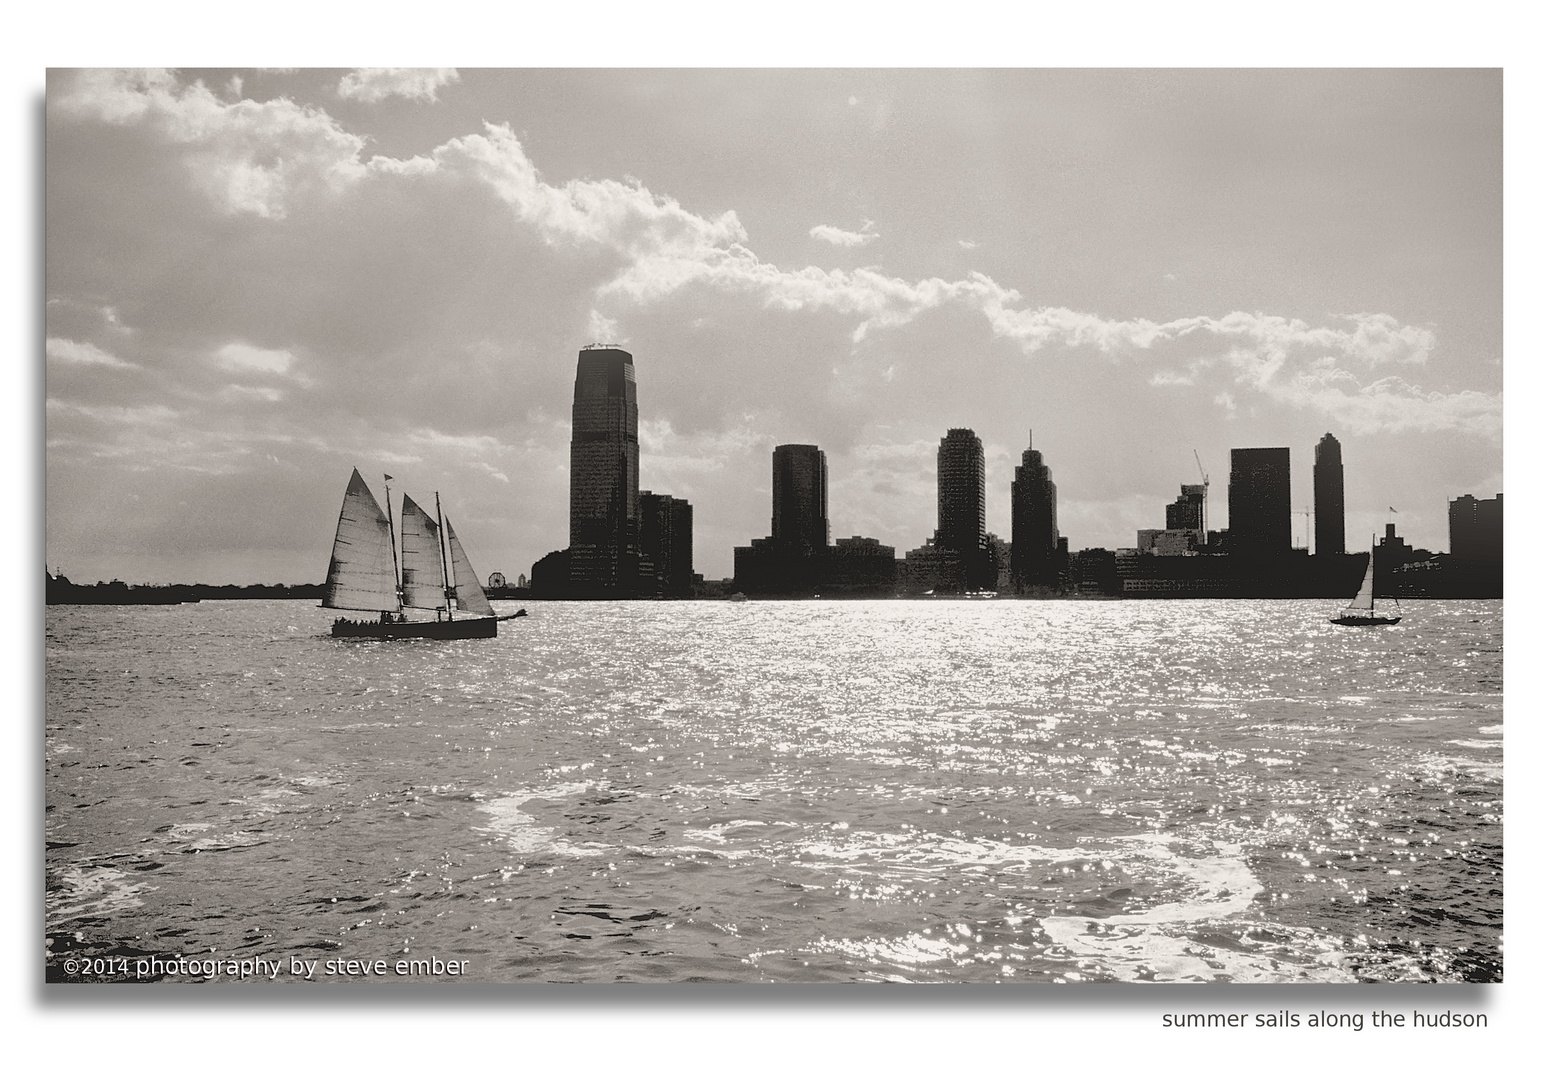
point(797, 561)
point(790, 562)
point(550, 576)
point(859, 566)
point(963, 496)
point(665, 547)
point(1186, 512)
point(1473, 568)
point(1260, 519)
point(1393, 552)
point(1330, 517)
point(604, 476)
point(1033, 554)
point(957, 558)
point(766, 567)
point(800, 496)
point(1476, 528)
point(1093, 571)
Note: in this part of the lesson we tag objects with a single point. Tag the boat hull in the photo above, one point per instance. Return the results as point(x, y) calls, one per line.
point(1366, 620)
point(447, 630)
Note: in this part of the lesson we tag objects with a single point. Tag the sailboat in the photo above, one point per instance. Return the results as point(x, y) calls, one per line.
point(1360, 610)
point(363, 574)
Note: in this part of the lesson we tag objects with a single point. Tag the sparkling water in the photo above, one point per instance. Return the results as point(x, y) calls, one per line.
point(928, 791)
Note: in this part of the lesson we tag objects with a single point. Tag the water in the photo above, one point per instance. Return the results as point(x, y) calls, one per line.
point(844, 791)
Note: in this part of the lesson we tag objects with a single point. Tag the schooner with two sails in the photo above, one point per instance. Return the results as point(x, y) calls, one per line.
point(363, 573)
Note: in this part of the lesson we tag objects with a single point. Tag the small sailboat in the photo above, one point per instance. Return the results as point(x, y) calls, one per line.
point(363, 574)
point(1360, 610)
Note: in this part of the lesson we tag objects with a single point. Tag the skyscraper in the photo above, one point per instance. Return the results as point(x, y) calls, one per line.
point(1476, 528)
point(963, 518)
point(800, 497)
point(1187, 511)
point(797, 560)
point(604, 476)
point(1260, 521)
point(963, 507)
point(1034, 526)
point(665, 547)
point(1330, 518)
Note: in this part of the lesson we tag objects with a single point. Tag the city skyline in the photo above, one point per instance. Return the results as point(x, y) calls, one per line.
point(259, 280)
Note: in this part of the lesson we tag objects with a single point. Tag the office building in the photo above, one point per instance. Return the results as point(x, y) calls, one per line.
point(859, 566)
point(1034, 524)
point(1167, 541)
point(963, 498)
point(797, 560)
point(800, 497)
point(665, 547)
point(1187, 511)
point(604, 476)
point(1476, 528)
point(957, 558)
point(1330, 517)
point(1260, 519)
point(791, 562)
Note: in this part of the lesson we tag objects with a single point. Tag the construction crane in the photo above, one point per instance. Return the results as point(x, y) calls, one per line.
point(1204, 496)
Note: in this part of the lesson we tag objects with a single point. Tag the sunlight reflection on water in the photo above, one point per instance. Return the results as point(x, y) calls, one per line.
point(923, 791)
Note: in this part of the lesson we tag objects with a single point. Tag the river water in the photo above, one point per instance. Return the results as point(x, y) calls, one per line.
point(927, 791)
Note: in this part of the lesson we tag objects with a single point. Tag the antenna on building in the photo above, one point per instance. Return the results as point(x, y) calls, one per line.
point(1204, 496)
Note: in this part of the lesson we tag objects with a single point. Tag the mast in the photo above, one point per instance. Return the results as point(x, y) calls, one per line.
point(397, 580)
point(1371, 573)
point(445, 577)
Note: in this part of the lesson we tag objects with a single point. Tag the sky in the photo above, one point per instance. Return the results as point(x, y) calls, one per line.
point(257, 280)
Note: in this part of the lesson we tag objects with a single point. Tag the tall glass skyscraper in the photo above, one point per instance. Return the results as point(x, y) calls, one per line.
point(604, 476)
point(1034, 523)
point(963, 497)
point(961, 541)
point(1260, 522)
point(800, 497)
point(1330, 519)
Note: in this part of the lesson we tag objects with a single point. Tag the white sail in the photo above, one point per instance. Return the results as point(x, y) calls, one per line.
point(361, 575)
point(423, 586)
point(1365, 597)
point(469, 594)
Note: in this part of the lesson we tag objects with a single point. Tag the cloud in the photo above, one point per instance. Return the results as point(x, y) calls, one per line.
point(238, 393)
point(1282, 358)
point(66, 351)
point(434, 301)
point(622, 216)
point(602, 330)
point(373, 85)
point(664, 249)
point(258, 157)
point(473, 450)
point(246, 156)
point(238, 356)
point(969, 245)
point(843, 238)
